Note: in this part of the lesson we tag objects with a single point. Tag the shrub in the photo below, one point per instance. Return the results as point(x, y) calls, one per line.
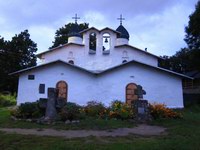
point(161, 111)
point(70, 112)
point(120, 110)
point(94, 109)
point(27, 110)
point(7, 100)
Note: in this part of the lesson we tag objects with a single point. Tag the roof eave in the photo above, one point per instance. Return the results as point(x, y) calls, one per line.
point(139, 50)
point(52, 49)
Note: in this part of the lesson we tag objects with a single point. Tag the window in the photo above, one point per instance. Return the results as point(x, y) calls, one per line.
point(92, 41)
point(71, 62)
point(106, 41)
point(124, 61)
point(124, 57)
point(31, 77)
point(125, 54)
point(70, 54)
point(42, 88)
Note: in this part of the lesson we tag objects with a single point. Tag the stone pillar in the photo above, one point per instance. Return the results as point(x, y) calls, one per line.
point(51, 104)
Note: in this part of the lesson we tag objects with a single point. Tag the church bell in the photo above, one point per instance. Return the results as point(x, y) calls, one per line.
point(106, 40)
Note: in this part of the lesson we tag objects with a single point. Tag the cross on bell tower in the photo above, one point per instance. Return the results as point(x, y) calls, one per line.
point(76, 18)
point(121, 18)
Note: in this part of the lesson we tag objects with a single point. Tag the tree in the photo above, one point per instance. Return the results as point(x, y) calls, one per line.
point(16, 54)
point(22, 51)
point(187, 58)
point(192, 37)
point(62, 33)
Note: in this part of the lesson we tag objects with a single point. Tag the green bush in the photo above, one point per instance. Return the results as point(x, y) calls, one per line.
point(7, 100)
point(27, 110)
point(94, 109)
point(70, 111)
point(120, 110)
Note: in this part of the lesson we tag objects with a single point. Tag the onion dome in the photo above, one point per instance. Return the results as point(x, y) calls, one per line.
point(74, 31)
point(123, 32)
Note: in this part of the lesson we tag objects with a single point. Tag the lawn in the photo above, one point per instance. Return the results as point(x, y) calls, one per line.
point(183, 134)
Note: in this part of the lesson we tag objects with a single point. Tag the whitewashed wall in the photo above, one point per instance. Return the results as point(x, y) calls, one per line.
point(161, 87)
point(98, 61)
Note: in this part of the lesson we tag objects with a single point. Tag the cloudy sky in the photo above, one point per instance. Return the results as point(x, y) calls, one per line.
point(155, 24)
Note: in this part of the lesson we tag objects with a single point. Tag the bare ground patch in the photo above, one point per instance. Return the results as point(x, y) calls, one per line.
point(143, 130)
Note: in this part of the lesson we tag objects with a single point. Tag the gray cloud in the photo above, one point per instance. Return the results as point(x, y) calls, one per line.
point(156, 24)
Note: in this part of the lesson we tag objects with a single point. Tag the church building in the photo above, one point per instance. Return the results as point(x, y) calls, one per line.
point(99, 64)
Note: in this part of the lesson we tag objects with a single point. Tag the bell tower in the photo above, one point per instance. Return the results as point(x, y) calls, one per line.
point(123, 36)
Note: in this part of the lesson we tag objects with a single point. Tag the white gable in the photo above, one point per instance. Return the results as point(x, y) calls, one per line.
point(98, 59)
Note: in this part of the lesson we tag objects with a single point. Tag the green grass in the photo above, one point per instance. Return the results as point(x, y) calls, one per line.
point(183, 134)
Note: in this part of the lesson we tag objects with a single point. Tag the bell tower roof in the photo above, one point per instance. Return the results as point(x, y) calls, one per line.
point(75, 28)
point(123, 32)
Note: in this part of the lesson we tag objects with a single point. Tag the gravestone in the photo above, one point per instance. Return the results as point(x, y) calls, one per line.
point(51, 112)
point(141, 109)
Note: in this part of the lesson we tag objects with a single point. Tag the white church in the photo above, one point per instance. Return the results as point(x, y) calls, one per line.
point(100, 65)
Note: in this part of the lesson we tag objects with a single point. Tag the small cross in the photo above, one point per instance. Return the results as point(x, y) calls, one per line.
point(121, 18)
point(76, 18)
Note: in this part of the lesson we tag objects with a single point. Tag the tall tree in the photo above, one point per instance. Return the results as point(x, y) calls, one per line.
point(16, 54)
point(22, 51)
point(192, 37)
point(61, 36)
point(187, 58)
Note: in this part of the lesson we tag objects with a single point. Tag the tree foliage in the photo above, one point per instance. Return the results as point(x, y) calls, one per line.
point(192, 37)
point(61, 36)
point(15, 55)
point(187, 58)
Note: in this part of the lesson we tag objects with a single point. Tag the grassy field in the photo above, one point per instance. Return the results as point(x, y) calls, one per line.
point(183, 134)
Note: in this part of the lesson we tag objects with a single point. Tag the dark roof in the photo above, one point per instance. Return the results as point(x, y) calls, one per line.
point(50, 63)
point(93, 28)
point(193, 74)
point(74, 31)
point(52, 49)
point(126, 45)
point(154, 67)
point(123, 32)
point(98, 72)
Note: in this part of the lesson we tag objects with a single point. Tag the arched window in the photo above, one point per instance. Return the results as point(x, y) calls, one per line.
point(124, 61)
point(106, 41)
point(125, 54)
point(62, 90)
point(70, 54)
point(92, 41)
point(131, 93)
point(71, 62)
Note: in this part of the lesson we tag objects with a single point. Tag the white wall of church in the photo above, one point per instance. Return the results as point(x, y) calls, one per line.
point(99, 61)
point(160, 87)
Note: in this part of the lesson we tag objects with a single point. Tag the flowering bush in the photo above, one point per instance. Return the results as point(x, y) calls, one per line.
point(95, 109)
point(161, 111)
point(120, 110)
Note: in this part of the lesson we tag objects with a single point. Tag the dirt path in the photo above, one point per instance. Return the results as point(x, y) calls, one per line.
point(144, 130)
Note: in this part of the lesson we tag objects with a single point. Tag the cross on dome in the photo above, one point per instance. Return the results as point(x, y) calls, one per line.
point(121, 18)
point(76, 18)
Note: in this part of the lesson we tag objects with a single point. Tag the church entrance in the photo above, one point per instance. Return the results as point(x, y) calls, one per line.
point(131, 93)
point(62, 89)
